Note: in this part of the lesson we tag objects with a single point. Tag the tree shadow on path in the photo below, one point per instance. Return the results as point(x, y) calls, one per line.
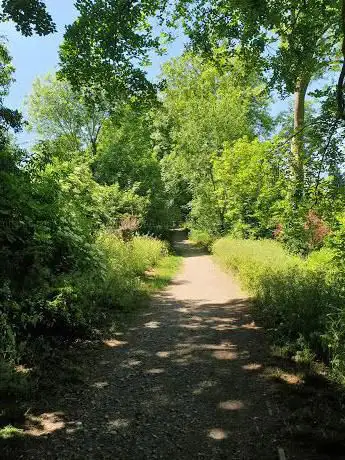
point(186, 380)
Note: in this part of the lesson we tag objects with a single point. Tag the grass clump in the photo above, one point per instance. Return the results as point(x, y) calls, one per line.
point(300, 301)
point(160, 276)
point(9, 431)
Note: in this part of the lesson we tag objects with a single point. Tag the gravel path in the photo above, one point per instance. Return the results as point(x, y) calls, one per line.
point(183, 382)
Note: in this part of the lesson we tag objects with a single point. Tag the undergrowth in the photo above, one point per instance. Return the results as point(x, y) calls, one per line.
point(300, 301)
point(33, 327)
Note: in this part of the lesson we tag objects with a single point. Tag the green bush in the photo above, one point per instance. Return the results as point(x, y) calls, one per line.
point(72, 304)
point(301, 301)
point(202, 238)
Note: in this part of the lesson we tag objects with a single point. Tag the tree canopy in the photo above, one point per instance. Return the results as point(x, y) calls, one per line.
point(104, 49)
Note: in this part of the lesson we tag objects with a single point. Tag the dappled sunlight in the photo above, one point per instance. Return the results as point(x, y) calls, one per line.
point(114, 343)
point(45, 423)
point(114, 425)
point(204, 385)
point(183, 361)
point(193, 326)
point(220, 319)
point(251, 325)
point(282, 376)
point(292, 379)
point(224, 327)
point(73, 427)
point(252, 367)
point(225, 354)
point(187, 347)
point(196, 318)
point(152, 324)
point(144, 315)
point(182, 375)
point(100, 385)
point(186, 352)
point(155, 371)
point(231, 405)
point(23, 369)
point(131, 363)
point(163, 354)
point(218, 434)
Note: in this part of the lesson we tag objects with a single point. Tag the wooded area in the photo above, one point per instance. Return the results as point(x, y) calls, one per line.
point(117, 154)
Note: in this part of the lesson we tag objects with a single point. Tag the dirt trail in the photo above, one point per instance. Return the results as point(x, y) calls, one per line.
point(184, 382)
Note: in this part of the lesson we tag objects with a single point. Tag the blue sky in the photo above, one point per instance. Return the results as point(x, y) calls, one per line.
point(33, 56)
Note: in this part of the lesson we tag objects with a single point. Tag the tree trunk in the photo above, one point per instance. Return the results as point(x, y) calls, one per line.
point(94, 147)
point(297, 142)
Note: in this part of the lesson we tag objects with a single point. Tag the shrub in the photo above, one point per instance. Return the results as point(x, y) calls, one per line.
point(301, 301)
point(202, 238)
point(302, 231)
point(70, 306)
point(128, 226)
point(316, 230)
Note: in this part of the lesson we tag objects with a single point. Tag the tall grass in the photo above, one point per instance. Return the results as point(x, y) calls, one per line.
point(123, 265)
point(120, 276)
point(301, 301)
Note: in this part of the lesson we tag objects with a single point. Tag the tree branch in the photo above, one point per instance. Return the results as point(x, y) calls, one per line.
point(340, 85)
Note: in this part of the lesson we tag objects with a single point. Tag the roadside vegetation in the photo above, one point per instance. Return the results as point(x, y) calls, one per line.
point(118, 159)
point(299, 301)
point(45, 353)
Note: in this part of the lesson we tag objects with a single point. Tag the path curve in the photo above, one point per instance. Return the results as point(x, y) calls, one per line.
point(184, 382)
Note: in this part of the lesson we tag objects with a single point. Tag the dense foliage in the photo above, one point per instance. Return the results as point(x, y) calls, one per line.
point(118, 155)
point(52, 214)
point(71, 208)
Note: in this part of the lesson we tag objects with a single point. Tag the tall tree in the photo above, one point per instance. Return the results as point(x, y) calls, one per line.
point(292, 41)
point(204, 108)
point(8, 118)
point(55, 111)
point(126, 157)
